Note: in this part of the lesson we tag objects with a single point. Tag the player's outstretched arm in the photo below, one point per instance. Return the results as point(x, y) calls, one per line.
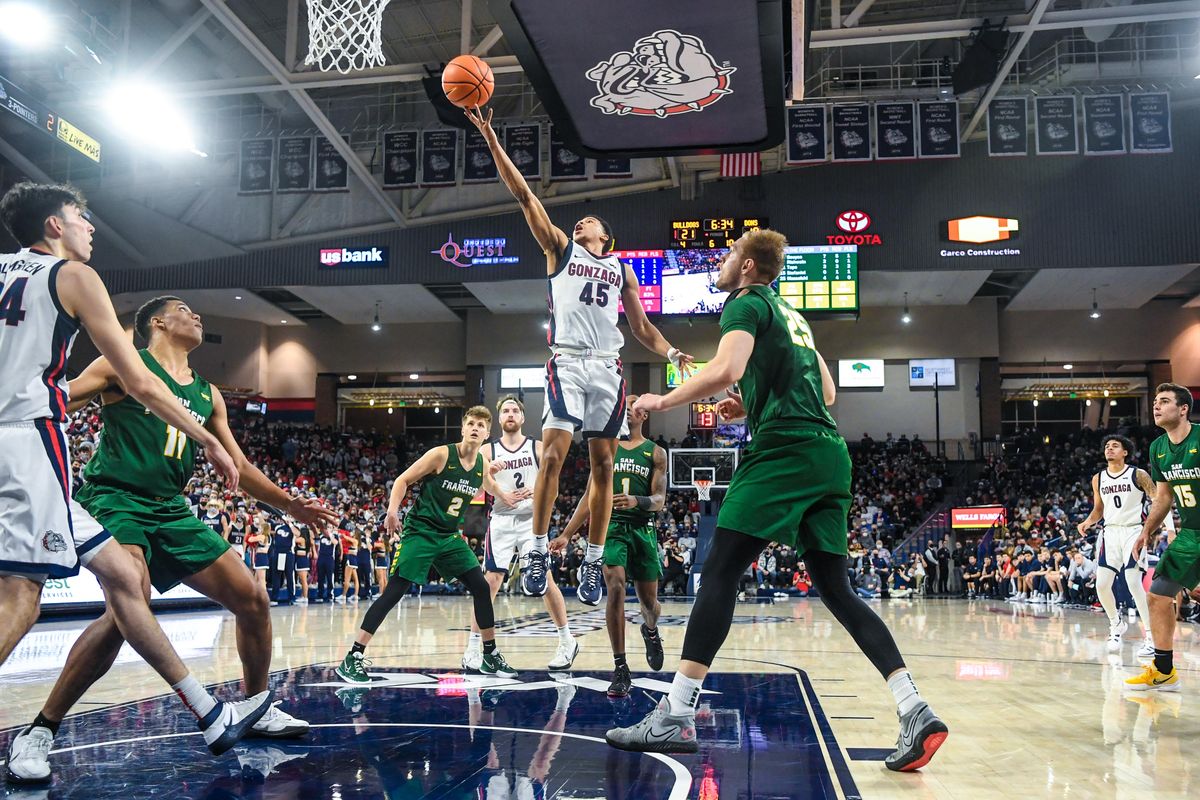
point(98, 377)
point(83, 295)
point(550, 237)
point(433, 460)
point(727, 367)
point(828, 389)
point(645, 331)
point(1098, 506)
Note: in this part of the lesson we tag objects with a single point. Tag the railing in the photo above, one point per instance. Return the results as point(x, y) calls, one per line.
point(1132, 54)
point(935, 527)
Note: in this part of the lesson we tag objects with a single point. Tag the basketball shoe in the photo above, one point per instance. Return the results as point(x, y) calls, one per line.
point(660, 731)
point(494, 664)
point(622, 682)
point(533, 574)
point(1147, 649)
point(1115, 632)
point(565, 655)
point(591, 583)
point(473, 655)
point(1151, 680)
point(921, 734)
point(654, 648)
point(353, 668)
point(278, 724)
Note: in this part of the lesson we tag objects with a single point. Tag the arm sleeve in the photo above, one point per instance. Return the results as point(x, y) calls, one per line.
point(744, 313)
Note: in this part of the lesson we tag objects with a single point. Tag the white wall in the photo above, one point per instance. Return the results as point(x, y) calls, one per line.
point(897, 409)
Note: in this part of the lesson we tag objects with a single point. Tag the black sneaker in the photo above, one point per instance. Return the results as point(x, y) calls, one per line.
point(654, 648)
point(622, 683)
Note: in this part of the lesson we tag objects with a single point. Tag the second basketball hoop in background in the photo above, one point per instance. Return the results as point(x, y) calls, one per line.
point(345, 34)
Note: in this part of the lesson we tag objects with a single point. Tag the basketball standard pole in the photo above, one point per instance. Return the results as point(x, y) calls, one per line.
point(937, 416)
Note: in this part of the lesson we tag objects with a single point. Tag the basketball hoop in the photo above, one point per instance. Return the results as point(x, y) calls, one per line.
point(345, 34)
point(703, 486)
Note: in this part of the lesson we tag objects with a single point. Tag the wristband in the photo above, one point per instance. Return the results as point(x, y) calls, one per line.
point(673, 354)
point(643, 502)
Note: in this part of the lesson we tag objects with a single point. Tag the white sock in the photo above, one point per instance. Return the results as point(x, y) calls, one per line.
point(684, 695)
point(594, 552)
point(476, 640)
point(194, 696)
point(905, 691)
point(564, 634)
point(1104, 593)
point(541, 544)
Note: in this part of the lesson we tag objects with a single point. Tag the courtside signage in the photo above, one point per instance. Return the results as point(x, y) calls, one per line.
point(978, 517)
point(354, 257)
point(860, 372)
point(854, 226)
point(979, 230)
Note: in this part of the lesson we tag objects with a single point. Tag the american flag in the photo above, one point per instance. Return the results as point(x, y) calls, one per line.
point(740, 165)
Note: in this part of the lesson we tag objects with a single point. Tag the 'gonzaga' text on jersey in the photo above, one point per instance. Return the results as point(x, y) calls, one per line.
point(584, 293)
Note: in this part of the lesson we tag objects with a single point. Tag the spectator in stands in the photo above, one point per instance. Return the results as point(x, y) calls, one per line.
point(283, 561)
point(868, 585)
point(1081, 580)
point(987, 578)
point(943, 561)
point(674, 575)
point(328, 546)
point(902, 583)
point(801, 580)
point(971, 574)
point(303, 562)
point(379, 551)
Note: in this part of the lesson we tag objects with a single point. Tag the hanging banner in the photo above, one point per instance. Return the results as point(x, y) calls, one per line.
point(255, 166)
point(1150, 122)
point(852, 132)
point(331, 172)
point(523, 143)
point(478, 164)
point(614, 168)
point(565, 164)
point(807, 135)
point(895, 131)
point(1104, 125)
point(1057, 133)
point(439, 152)
point(295, 163)
point(399, 159)
point(939, 129)
point(1008, 126)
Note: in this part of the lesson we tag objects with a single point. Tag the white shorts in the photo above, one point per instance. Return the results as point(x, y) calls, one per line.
point(1116, 547)
point(44, 533)
point(507, 535)
point(585, 394)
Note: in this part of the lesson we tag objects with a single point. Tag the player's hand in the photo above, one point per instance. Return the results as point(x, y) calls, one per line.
point(310, 511)
point(224, 465)
point(559, 543)
point(509, 499)
point(731, 407)
point(484, 124)
point(1083, 529)
point(684, 362)
point(622, 502)
point(649, 402)
point(495, 467)
point(391, 521)
point(1143, 541)
point(523, 494)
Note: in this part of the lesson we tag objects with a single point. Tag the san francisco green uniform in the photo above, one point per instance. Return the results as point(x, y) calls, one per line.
point(431, 537)
point(792, 484)
point(134, 483)
point(631, 542)
point(1179, 465)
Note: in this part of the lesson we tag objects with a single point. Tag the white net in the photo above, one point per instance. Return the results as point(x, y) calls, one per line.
point(702, 488)
point(345, 34)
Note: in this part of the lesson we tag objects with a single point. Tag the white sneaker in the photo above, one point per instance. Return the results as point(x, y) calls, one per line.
point(276, 724)
point(227, 723)
point(354, 600)
point(1146, 651)
point(301, 601)
point(29, 756)
point(473, 656)
point(341, 599)
point(565, 655)
point(1115, 632)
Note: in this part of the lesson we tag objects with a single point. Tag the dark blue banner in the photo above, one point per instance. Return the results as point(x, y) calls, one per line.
point(852, 132)
point(807, 134)
point(1008, 126)
point(939, 129)
point(399, 159)
point(895, 131)
point(1150, 122)
point(1057, 132)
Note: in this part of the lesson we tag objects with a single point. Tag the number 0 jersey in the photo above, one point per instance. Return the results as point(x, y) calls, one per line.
point(1179, 465)
point(519, 471)
point(446, 495)
point(1122, 497)
point(140, 453)
point(584, 293)
point(36, 335)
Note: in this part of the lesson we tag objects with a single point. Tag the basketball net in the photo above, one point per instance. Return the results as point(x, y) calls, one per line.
point(703, 487)
point(345, 34)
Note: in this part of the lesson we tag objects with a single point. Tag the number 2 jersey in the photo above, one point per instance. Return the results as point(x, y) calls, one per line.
point(36, 335)
point(140, 453)
point(446, 495)
point(1179, 465)
point(584, 293)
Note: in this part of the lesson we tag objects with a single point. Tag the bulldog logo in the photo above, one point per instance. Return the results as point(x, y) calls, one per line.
point(666, 73)
point(54, 542)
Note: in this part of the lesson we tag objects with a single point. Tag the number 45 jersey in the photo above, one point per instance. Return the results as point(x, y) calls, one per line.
point(140, 453)
point(584, 294)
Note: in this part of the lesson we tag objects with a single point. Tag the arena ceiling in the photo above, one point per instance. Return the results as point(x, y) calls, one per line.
point(238, 68)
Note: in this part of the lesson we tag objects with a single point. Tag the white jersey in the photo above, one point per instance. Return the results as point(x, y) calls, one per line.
point(1122, 498)
point(584, 293)
point(36, 335)
point(519, 472)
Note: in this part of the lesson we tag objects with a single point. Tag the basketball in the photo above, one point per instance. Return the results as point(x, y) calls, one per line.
point(468, 82)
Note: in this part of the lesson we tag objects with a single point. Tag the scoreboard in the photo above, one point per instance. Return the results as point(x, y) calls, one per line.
point(820, 278)
point(647, 267)
point(704, 415)
point(713, 232)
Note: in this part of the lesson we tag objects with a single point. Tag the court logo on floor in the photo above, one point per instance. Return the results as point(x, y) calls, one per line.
point(666, 73)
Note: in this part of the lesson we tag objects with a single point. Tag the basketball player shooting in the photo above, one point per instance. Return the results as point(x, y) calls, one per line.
point(585, 389)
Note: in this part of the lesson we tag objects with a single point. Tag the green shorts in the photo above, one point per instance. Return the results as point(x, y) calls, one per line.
point(1180, 562)
point(175, 543)
point(792, 488)
point(419, 549)
point(634, 547)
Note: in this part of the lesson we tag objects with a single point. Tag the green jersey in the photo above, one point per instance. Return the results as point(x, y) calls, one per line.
point(781, 387)
point(633, 473)
point(446, 494)
point(1179, 465)
point(140, 453)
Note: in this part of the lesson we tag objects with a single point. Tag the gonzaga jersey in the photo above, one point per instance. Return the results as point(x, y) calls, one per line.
point(36, 335)
point(584, 293)
point(519, 472)
point(1122, 498)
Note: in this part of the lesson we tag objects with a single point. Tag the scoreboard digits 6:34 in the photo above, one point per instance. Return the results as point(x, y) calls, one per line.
point(713, 232)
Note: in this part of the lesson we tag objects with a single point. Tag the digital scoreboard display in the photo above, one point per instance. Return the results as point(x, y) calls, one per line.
point(820, 278)
point(713, 232)
point(18, 103)
point(704, 415)
point(647, 267)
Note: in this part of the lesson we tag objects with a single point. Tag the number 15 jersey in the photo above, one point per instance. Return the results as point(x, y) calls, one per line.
point(584, 293)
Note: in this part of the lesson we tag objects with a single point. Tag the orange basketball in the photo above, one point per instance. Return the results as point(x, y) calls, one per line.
point(468, 82)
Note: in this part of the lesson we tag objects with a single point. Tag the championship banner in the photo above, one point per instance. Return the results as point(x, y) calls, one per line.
point(1057, 133)
point(807, 135)
point(332, 175)
point(1008, 126)
point(614, 168)
point(295, 164)
point(523, 143)
point(939, 129)
point(895, 131)
point(978, 517)
point(1104, 125)
point(565, 164)
point(1150, 122)
point(255, 166)
point(852, 132)
point(399, 159)
point(439, 153)
point(478, 164)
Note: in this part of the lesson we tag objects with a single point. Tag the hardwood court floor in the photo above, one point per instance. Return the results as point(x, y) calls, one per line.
point(1032, 697)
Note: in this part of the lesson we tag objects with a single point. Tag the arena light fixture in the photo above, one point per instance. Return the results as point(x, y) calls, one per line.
point(391, 410)
point(1112, 402)
point(26, 25)
point(1087, 402)
point(1095, 307)
point(351, 377)
point(906, 318)
point(412, 376)
point(147, 114)
point(375, 326)
point(371, 402)
point(237, 297)
point(1106, 392)
point(1035, 402)
point(437, 409)
point(1068, 366)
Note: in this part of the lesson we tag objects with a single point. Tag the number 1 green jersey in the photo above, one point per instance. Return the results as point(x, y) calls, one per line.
point(445, 495)
point(1179, 465)
point(633, 473)
point(140, 453)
